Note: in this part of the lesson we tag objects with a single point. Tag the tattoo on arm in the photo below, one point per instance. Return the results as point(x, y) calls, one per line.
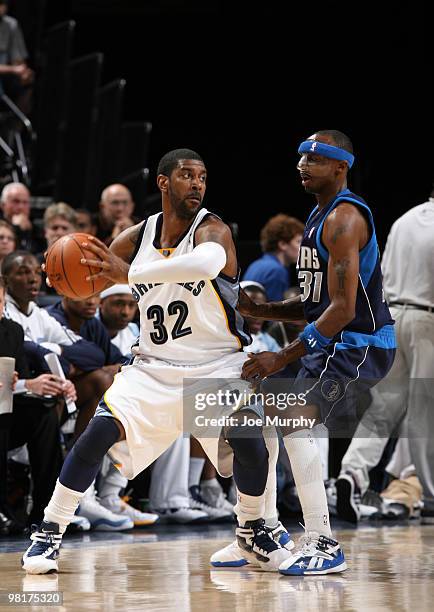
point(341, 267)
point(341, 229)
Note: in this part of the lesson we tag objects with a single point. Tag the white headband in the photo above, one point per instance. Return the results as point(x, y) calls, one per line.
point(247, 283)
point(115, 289)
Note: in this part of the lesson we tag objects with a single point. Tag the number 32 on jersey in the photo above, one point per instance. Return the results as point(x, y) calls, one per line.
point(309, 281)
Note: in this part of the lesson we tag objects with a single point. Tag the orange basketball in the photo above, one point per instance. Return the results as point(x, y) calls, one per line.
point(65, 272)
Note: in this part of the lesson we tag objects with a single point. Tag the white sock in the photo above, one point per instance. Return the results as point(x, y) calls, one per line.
point(249, 507)
point(195, 471)
point(307, 471)
point(211, 482)
point(272, 444)
point(62, 506)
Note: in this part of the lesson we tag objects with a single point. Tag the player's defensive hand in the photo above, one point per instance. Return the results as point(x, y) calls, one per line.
point(111, 266)
point(246, 306)
point(261, 365)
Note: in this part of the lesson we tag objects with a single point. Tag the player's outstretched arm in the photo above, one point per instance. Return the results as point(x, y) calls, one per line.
point(345, 234)
point(287, 310)
point(114, 261)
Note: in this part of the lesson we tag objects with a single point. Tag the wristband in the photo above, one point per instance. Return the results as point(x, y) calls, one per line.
point(312, 339)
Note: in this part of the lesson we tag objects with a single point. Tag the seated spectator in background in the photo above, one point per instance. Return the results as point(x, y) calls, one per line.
point(280, 242)
point(79, 315)
point(8, 240)
point(115, 213)
point(33, 421)
point(59, 220)
point(116, 311)
point(85, 222)
point(15, 207)
point(82, 361)
point(15, 75)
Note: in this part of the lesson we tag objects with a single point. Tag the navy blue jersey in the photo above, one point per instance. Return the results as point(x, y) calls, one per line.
point(372, 313)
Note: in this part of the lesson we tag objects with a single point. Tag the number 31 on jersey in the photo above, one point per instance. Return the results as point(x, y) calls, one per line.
point(308, 258)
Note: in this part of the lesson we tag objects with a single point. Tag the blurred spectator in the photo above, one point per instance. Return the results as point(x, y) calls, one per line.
point(79, 315)
point(82, 361)
point(15, 207)
point(115, 212)
point(117, 311)
point(33, 421)
point(84, 221)
point(7, 240)
point(407, 390)
point(280, 242)
point(15, 75)
point(59, 220)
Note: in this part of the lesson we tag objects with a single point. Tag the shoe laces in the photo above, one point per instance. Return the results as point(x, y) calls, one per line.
point(263, 537)
point(44, 541)
point(311, 543)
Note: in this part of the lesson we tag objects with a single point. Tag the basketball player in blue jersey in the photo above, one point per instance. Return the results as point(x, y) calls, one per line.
point(182, 268)
point(348, 343)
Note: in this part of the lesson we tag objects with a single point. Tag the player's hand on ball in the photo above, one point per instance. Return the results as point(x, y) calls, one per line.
point(43, 268)
point(112, 267)
point(261, 365)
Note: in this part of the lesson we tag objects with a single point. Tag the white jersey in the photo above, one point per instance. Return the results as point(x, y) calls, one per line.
point(185, 323)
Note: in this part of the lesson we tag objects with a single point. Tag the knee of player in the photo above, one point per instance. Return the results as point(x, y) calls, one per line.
point(98, 437)
point(248, 444)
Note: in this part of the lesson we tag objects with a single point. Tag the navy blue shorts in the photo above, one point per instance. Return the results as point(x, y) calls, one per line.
point(337, 381)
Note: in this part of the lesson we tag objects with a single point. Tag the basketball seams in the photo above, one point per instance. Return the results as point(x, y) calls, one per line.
point(63, 263)
point(64, 271)
point(85, 257)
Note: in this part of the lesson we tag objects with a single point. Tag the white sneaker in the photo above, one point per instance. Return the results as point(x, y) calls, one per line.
point(78, 523)
point(258, 545)
point(120, 507)
point(41, 556)
point(216, 515)
point(233, 556)
point(100, 518)
point(182, 515)
point(214, 496)
point(316, 554)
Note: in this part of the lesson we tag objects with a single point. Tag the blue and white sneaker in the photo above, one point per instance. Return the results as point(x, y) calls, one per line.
point(233, 556)
point(316, 555)
point(258, 546)
point(41, 556)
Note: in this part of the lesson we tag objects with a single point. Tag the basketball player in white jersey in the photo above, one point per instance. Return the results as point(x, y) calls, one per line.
point(182, 268)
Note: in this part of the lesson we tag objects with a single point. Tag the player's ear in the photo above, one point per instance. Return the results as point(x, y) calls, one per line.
point(341, 167)
point(162, 182)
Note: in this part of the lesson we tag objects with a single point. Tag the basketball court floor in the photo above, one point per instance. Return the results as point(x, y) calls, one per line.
point(166, 568)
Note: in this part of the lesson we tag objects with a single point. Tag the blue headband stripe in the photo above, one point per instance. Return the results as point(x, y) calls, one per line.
point(320, 148)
